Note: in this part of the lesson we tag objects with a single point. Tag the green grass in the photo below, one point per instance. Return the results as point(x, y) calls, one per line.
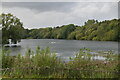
point(44, 64)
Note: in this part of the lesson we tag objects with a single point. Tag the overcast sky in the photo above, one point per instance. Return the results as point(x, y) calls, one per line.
point(52, 14)
point(60, 0)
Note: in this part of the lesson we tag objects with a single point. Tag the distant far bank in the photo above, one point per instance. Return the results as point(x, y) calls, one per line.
point(107, 30)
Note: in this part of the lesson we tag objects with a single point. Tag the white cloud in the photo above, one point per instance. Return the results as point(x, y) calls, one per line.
point(78, 15)
point(98, 11)
point(0, 7)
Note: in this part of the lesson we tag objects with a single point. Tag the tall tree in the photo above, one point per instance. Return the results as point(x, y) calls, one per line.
point(0, 29)
point(12, 28)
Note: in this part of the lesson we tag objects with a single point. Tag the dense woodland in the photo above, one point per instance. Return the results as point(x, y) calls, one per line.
point(107, 30)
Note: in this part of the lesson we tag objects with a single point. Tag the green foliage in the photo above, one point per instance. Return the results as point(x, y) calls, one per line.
point(65, 31)
point(0, 19)
point(44, 64)
point(12, 28)
point(6, 59)
point(107, 30)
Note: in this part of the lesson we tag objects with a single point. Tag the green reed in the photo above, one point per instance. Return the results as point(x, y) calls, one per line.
point(45, 64)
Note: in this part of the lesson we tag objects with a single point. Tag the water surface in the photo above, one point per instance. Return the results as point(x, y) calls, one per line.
point(64, 48)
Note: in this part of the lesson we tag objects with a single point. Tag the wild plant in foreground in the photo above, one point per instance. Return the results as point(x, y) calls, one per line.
point(44, 64)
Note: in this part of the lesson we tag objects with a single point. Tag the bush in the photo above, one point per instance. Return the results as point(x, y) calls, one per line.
point(44, 64)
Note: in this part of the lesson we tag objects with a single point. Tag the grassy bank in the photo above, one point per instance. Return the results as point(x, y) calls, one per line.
point(44, 64)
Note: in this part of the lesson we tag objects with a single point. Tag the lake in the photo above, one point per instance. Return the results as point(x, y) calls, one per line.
point(63, 48)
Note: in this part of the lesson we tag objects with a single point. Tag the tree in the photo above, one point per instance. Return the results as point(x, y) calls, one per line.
point(65, 31)
point(12, 28)
point(92, 30)
point(0, 21)
point(0, 29)
point(89, 22)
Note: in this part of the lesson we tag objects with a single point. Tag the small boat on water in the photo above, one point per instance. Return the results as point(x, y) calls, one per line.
point(11, 44)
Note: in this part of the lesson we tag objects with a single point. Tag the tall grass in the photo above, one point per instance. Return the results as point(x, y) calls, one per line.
point(44, 64)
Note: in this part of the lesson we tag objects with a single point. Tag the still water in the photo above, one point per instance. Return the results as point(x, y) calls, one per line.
point(63, 48)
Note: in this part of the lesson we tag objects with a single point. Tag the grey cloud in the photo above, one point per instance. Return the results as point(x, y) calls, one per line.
point(119, 9)
point(60, 0)
point(60, 13)
point(42, 6)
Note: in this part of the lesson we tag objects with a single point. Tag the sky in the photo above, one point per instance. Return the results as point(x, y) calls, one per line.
point(52, 14)
point(59, 0)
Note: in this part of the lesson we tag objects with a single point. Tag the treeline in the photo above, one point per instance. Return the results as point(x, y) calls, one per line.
point(107, 30)
point(12, 28)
